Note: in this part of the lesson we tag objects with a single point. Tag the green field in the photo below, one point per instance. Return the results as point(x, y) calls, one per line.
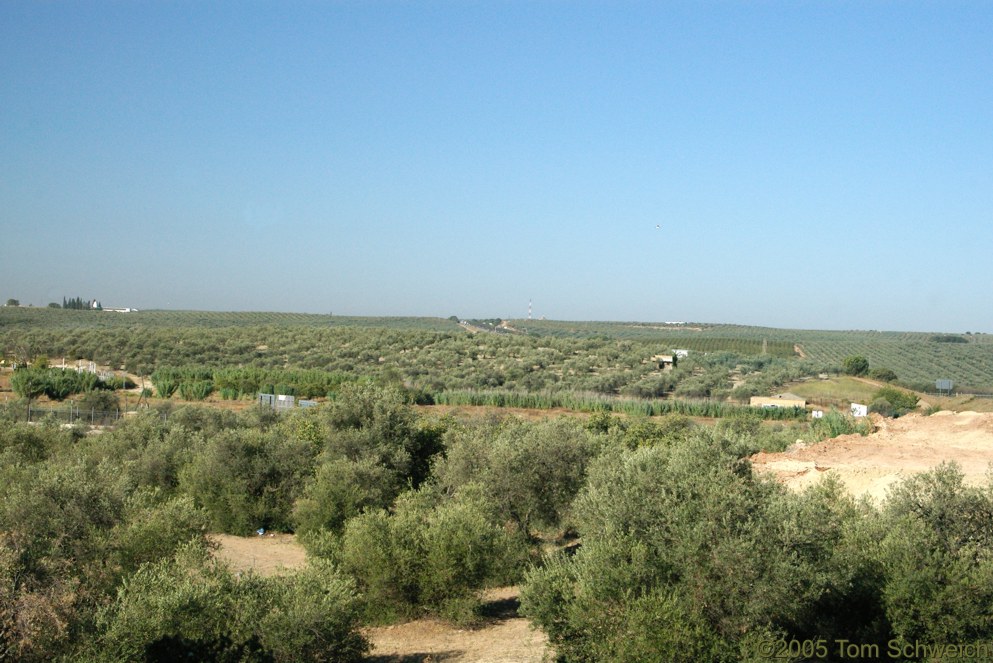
point(438, 354)
point(918, 358)
point(838, 390)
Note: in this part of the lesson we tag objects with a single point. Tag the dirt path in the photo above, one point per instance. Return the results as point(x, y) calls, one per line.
point(266, 555)
point(506, 638)
point(899, 448)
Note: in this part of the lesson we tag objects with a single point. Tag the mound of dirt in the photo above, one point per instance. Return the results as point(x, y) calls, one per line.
point(899, 448)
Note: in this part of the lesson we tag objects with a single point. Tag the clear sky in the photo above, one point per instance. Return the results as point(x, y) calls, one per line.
point(821, 165)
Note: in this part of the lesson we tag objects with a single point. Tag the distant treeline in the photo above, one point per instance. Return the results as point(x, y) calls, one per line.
point(436, 354)
point(949, 338)
point(79, 304)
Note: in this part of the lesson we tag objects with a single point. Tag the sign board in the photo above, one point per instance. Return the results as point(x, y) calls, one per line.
point(817, 414)
point(859, 410)
point(943, 385)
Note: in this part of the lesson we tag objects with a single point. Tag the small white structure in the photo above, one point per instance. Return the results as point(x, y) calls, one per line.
point(859, 410)
point(817, 414)
point(779, 400)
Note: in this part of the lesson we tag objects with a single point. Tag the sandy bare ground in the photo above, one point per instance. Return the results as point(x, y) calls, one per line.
point(899, 448)
point(266, 555)
point(506, 638)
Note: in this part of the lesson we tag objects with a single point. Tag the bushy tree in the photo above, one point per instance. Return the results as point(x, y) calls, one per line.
point(70, 536)
point(340, 489)
point(855, 365)
point(938, 556)
point(374, 446)
point(368, 421)
point(191, 607)
point(430, 553)
point(29, 383)
point(247, 479)
point(532, 470)
point(893, 402)
point(883, 375)
point(686, 556)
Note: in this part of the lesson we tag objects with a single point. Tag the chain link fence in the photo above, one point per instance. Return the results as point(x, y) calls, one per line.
point(72, 415)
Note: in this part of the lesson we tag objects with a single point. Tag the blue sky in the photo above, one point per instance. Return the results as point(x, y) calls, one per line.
point(821, 165)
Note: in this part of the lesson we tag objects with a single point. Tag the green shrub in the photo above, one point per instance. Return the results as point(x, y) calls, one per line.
point(165, 387)
point(191, 607)
point(340, 489)
point(29, 382)
point(898, 401)
point(428, 555)
point(368, 421)
point(855, 365)
point(882, 407)
point(882, 374)
point(938, 553)
point(686, 556)
point(196, 390)
point(118, 382)
point(532, 470)
point(313, 615)
point(835, 423)
point(246, 479)
point(98, 401)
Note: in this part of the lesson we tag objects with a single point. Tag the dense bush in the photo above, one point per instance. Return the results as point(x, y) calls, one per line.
point(56, 383)
point(532, 471)
point(246, 479)
point(341, 489)
point(677, 542)
point(71, 534)
point(190, 607)
point(687, 557)
point(883, 375)
point(429, 554)
point(855, 365)
point(103, 557)
point(893, 402)
point(835, 423)
point(938, 556)
point(195, 390)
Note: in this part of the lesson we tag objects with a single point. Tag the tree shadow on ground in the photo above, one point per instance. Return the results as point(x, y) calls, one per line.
point(434, 657)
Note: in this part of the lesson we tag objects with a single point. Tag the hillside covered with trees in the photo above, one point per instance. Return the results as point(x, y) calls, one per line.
point(633, 537)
